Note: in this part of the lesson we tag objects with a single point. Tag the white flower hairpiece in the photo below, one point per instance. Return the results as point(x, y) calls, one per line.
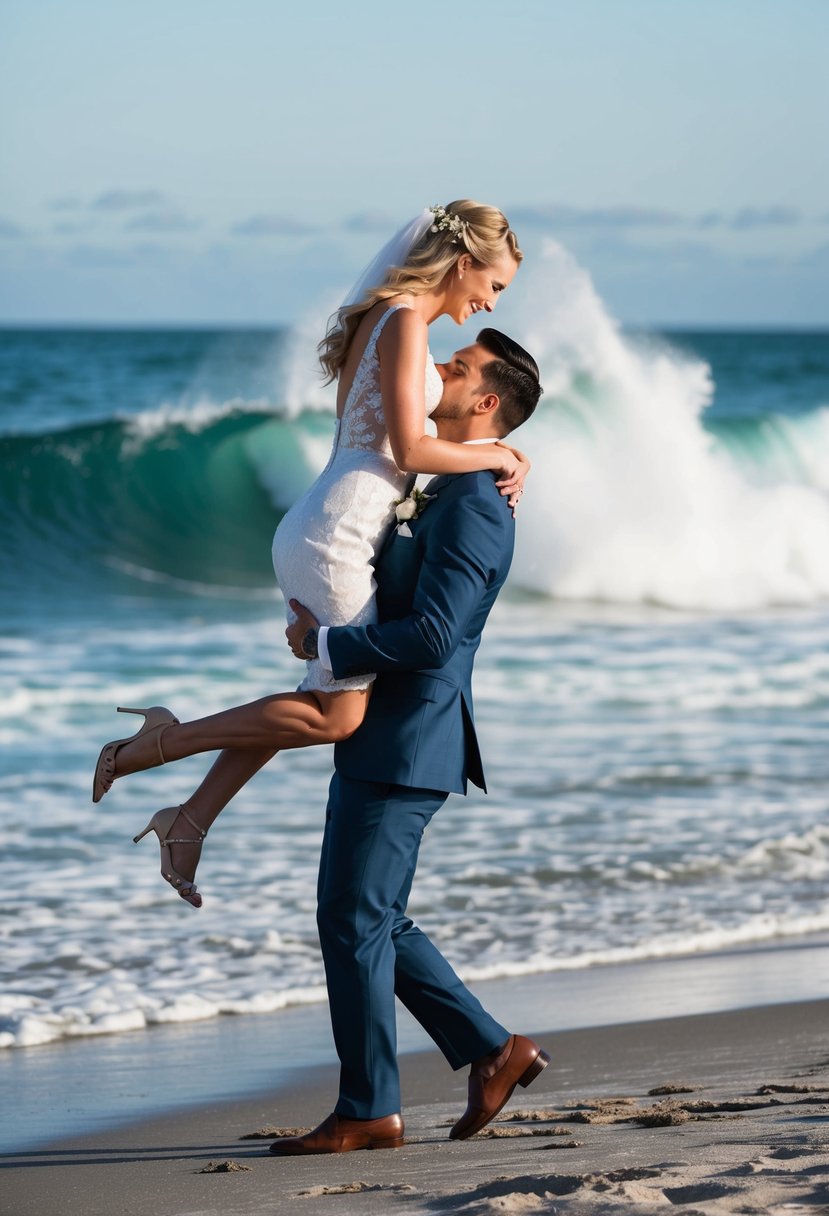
point(448, 221)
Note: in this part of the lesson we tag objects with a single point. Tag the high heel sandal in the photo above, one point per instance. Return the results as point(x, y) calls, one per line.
point(156, 718)
point(162, 824)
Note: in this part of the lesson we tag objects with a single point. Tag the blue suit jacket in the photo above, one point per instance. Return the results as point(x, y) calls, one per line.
point(435, 590)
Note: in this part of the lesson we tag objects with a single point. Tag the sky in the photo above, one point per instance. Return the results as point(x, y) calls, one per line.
point(237, 161)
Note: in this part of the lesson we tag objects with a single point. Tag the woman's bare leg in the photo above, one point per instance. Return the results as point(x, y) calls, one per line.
point(249, 736)
point(231, 770)
point(283, 721)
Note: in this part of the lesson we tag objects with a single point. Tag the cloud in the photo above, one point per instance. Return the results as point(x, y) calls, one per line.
point(562, 216)
point(127, 200)
point(759, 217)
point(152, 249)
point(751, 217)
point(72, 227)
point(9, 230)
point(165, 220)
point(815, 258)
point(370, 221)
point(273, 225)
point(622, 252)
point(100, 256)
point(64, 204)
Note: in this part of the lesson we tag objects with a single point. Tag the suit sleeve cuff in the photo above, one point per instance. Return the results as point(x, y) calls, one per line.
point(322, 648)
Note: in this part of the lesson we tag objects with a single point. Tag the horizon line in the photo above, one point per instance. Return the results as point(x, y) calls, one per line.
point(815, 327)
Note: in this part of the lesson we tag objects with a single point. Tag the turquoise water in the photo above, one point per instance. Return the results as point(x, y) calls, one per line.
point(652, 693)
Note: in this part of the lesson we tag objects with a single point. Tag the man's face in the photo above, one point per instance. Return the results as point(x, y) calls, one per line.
point(462, 387)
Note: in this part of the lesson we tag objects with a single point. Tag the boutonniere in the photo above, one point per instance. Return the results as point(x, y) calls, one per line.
point(410, 507)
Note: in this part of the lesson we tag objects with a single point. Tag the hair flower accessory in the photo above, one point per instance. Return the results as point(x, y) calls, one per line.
point(447, 221)
point(410, 507)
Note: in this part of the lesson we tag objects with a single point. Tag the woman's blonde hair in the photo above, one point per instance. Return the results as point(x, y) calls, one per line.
point(485, 234)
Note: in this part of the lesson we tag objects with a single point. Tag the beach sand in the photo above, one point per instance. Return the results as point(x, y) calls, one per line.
point(743, 1128)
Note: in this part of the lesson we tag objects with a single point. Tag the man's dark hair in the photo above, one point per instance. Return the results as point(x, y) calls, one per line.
point(513, 375)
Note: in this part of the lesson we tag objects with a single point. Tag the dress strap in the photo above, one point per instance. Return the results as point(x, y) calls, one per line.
point(378, 328)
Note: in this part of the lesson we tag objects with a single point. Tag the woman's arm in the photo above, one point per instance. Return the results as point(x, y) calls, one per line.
point(402, 349)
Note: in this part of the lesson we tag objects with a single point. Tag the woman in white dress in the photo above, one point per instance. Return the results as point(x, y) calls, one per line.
point(453, 261)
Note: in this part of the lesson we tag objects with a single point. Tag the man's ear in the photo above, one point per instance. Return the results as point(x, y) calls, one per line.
point(487, 404)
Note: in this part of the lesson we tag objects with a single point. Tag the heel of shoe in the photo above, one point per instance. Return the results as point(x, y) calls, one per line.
point(397, 1142)
point(538, 1065)
point(156, 718)
point(161, 823)
point(147, 829)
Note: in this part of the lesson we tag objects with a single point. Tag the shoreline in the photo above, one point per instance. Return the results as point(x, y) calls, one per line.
point(722, 1138)
point(94, 1083)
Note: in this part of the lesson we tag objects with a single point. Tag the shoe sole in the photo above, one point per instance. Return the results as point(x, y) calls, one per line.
point(330, 1152)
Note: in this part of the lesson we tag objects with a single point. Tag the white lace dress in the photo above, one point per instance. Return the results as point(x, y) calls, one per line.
point(325, 546)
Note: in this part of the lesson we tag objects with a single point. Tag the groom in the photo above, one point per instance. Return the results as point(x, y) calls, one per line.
point(437, 576)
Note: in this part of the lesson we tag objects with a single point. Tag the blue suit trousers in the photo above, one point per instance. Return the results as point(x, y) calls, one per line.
point(374, 952)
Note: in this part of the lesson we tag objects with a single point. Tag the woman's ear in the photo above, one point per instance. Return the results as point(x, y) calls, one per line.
point(464, 263)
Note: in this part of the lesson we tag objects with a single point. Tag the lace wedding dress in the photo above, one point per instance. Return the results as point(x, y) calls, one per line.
point(325, 546)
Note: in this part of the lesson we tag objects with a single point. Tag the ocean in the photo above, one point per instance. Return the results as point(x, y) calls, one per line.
point(652, 692)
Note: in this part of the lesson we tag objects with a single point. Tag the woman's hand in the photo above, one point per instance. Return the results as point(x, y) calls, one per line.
point(515, 469)
point(298, 628)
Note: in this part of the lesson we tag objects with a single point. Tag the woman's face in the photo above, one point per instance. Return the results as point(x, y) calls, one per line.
point(476, 288)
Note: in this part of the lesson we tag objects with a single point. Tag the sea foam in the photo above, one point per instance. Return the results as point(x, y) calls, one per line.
point(632, 499)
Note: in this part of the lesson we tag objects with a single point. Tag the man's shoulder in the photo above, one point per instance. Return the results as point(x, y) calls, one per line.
point(480, 482)
point(475, 490)
point(470, 505)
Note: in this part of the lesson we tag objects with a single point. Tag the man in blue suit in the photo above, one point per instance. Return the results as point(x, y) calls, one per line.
point(437, 577)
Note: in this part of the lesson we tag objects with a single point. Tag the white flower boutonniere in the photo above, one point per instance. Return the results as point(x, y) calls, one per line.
point(410, 507)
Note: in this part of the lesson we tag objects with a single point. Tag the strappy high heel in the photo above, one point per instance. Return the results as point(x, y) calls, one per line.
point(156, 718)
point(162, 824)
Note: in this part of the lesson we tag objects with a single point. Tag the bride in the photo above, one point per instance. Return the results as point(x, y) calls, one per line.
point(449, 261)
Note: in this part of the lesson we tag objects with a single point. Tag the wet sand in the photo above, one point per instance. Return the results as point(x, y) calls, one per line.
point(743, 1127)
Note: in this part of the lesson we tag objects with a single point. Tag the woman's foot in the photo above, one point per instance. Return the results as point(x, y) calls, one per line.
point(180, 838)
point(136, 752)
point(185, 845)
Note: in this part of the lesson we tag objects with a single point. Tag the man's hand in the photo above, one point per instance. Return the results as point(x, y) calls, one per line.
point(297, 631)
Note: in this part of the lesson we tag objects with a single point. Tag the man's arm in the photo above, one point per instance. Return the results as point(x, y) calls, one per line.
point(456, 571)
point(460, 562)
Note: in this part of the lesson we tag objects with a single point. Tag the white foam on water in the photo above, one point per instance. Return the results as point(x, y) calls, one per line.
point(192, 416)
point(757, 930)
point(117, 1007)
point(144, 574)
point(631, 499)
point(302, 385)
point(789, 449)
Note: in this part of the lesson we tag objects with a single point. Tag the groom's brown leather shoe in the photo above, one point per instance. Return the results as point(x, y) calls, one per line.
point(492, 1080)
point(339, 1135)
